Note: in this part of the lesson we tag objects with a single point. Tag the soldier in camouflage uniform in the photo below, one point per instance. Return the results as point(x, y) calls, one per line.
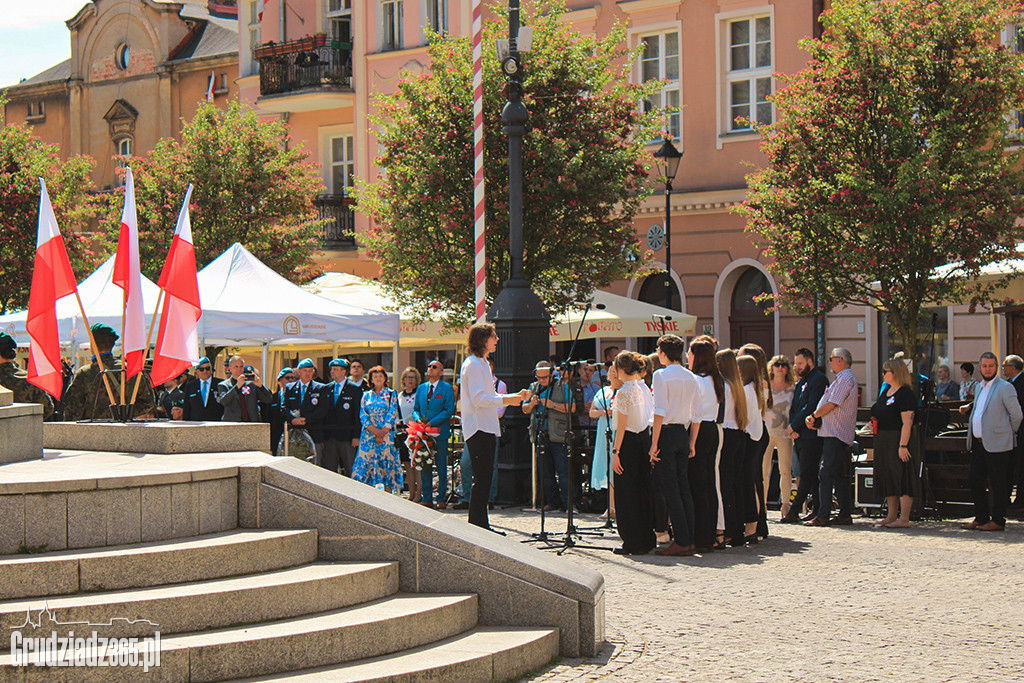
point(86, 397)
point(14, 378)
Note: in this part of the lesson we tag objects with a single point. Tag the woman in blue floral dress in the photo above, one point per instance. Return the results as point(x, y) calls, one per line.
point(377, 462)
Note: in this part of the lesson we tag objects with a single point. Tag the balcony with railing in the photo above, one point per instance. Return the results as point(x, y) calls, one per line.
point(315, 70)
point(339, 232)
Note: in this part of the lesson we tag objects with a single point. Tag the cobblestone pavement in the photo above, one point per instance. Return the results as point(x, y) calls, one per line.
point(933, 603)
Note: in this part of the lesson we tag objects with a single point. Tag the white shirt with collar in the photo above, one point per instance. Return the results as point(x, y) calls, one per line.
point(676, 394)
point(981, 396)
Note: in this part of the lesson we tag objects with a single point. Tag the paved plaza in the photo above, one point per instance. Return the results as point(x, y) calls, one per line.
point(933, 603)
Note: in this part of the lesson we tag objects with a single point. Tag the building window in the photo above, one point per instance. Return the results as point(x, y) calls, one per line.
point(122, 56)
point(659, 61)
point(932, 328)
point(343, 165)
point(255, 37)
point(339, 20)
point(124, 147)
point(748, 72)
point(391, 24)
point(437, 15)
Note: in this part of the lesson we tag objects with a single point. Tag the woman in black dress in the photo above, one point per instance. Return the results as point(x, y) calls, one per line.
point(896, 462)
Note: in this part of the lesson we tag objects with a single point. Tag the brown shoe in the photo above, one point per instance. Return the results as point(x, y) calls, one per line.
point(842, 521)
point(817, 521)
point(427, 504)
point(790, 517)
point(972, 525)
point(441, 505)
point(676, 550)
point(809, 517)
point(992, 526)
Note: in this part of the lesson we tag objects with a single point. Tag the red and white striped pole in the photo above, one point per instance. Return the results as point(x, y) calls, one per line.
point(480, 258)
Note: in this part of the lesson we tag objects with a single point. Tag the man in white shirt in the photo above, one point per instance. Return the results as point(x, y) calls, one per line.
point(995, 416)
point(675, 397)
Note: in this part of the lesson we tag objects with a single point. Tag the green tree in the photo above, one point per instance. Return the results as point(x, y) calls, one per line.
point(584, 164)
point(24, 158)
point(888, 160)
point(250, 187)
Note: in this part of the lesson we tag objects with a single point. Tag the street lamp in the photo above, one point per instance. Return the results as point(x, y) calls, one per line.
point(668, 163)
point(518, 313)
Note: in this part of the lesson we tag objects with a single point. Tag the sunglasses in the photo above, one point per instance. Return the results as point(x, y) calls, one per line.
point(205, 368)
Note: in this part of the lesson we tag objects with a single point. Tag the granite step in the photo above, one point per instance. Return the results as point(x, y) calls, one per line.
point(196, 606)
point(483, 654)
point(370, 630)
point(199, 558)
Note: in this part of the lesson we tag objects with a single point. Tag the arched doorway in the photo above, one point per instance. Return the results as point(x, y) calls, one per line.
point(748, 322)
point(652, 291)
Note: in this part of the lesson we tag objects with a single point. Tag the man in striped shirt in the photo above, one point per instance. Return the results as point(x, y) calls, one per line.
point(838, 412)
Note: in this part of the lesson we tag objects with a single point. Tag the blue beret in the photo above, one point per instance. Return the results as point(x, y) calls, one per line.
point(201, 361)
point(284, 371)
point(338, 363)
point(305, 363)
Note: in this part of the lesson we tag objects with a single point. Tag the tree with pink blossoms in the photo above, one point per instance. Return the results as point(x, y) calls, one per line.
point(893, 169)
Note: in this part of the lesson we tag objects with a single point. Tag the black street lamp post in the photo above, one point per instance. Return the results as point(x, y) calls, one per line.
point(517, 312)
point(668, 163)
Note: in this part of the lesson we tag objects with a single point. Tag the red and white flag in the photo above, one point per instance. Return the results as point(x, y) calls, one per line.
point(52, 279)
point(209, 88)
point(177, 342)
point(128, 277)
point(260, 6)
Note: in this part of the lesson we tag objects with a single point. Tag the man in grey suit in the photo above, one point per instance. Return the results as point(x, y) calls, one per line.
point(995, 416)
point(242, 392)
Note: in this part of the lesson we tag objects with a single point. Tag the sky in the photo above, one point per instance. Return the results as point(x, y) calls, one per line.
point(33, 36)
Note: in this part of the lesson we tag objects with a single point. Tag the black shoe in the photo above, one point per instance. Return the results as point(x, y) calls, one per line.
point(751, 539)
point(490, 506)
point(461, 505)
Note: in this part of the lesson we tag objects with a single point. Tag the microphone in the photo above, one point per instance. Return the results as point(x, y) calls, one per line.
point(589, 304)
point(663, 317)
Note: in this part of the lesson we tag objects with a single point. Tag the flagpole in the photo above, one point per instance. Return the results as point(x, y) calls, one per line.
point(124, 365)
point(149, 336)
point(95, 348)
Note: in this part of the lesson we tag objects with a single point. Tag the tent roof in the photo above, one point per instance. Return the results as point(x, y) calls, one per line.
point(246, 302)
point(619, 317)
point(102, 301)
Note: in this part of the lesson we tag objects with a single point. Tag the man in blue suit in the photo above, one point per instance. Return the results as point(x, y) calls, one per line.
point(341, 420)
point(303, 402)
point(435, 403)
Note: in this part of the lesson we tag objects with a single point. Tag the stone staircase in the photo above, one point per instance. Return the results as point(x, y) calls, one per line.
point(254, 603)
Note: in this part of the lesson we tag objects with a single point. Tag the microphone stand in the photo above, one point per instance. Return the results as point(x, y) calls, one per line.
point(541, 452)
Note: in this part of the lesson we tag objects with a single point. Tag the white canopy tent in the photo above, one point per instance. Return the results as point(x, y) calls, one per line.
point(103, 302)
point(246, 303)
point(612, 315)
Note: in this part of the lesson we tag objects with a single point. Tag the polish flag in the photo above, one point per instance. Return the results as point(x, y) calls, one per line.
point(209, 88)
point(52, 279)
point(128, 277)
point(177, 342)
point(260, 6)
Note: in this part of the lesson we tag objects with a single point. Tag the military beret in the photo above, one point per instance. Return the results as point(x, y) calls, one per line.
point(338, 363)
point(7, 342)
point(305, 363)
point(203, 361)
point(249, 369)
point(284, 371)
point(102, 330)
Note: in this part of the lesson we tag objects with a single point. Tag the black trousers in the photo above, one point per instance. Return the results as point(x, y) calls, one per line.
point(990, 471)
point(634, 508)
point(481, 453)
point(672, 478)
point(702, 484)
point(730, 472)
point(808, 453)
point(753, 478)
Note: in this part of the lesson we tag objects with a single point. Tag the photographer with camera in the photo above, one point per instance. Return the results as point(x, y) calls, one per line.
point(242, 393)
point(551, 406)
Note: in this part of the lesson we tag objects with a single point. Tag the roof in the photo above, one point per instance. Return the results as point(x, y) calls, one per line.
point(57, 72)
point(210, 40)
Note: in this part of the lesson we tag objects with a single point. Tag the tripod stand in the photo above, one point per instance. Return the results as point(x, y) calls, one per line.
point(538, 427)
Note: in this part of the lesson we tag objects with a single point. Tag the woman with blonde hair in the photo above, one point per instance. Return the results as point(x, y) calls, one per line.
point(409, 380)
point(766, 405)
point(730, 522)
point(753, 492)
point(631, 462)
point(601, 409)
point(897, 463)
point(782, 384)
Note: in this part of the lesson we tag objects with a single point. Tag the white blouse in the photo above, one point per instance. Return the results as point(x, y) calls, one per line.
point(755, 422)
point(707, 401)
point(634, 406)
point(729, 421)
point(406, 405)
